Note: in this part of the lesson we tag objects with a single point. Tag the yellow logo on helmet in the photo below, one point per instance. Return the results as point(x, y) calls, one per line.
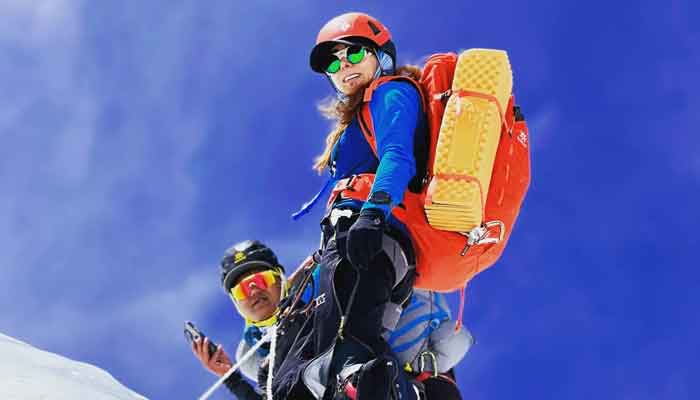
point(239, 256)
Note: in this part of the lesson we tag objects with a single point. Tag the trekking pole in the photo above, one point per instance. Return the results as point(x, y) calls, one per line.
point(270, 334)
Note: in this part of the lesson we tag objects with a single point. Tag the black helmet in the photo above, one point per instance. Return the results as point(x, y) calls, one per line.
point(244, 257)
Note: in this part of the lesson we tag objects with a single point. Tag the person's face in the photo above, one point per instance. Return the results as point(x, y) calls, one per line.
point(351, 77)
point(261, 302)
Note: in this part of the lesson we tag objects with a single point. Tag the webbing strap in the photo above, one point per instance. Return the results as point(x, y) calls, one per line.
point(427, 375)
point(458, 324)
point(488, 97)
point(365, 114)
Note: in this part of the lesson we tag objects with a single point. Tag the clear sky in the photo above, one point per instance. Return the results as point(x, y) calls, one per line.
point(138, 140)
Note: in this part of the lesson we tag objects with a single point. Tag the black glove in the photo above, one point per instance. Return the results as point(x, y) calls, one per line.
point(364, 240)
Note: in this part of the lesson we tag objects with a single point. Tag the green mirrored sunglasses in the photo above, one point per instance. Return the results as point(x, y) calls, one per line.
point(354, 54)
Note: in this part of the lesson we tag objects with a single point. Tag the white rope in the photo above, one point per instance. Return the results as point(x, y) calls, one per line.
point(271, 363)
point(271, 333)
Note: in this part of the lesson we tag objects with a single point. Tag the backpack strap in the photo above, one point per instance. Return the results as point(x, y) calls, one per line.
point(365, 114)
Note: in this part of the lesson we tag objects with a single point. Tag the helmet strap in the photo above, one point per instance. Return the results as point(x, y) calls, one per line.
point(386, 64)
point(340, 95)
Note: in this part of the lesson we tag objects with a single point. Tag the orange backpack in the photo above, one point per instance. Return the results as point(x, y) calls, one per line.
point(446, 261)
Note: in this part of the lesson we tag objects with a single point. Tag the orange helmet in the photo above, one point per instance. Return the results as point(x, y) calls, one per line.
point(351, 28)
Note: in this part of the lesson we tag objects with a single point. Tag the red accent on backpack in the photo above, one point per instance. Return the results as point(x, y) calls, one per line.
point(445, 261)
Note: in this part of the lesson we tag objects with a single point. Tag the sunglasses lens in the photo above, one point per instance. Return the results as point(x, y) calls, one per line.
point(333, 67)
point(238, 293)
point(262, 280)
point(356, 54)
point(269, 277)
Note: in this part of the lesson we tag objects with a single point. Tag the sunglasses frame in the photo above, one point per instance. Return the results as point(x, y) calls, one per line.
point(343, 53)
point(259, 278)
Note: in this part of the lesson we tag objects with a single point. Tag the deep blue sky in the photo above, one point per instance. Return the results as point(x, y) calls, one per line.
point(138, 140)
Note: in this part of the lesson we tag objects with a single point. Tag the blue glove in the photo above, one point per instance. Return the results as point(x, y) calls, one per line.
point(364, 240)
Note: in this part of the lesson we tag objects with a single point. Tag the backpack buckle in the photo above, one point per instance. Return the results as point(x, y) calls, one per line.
point(443, 96)
point(350, 184)
point(480, 235)
point(336, 214)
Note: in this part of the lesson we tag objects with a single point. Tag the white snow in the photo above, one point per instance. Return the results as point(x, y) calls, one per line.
point(27, 373)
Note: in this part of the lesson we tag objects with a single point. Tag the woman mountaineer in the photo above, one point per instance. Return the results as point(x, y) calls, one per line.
point(366, 260)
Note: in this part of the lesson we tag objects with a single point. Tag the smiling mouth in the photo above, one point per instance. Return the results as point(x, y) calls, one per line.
point(351, 77)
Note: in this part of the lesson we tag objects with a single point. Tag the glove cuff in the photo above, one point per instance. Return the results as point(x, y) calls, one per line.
point(379, 201)
point(376, 215)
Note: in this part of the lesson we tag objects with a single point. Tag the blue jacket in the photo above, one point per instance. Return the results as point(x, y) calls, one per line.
point(398, 118)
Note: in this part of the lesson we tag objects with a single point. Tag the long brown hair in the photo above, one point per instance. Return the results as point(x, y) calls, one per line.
point(343, 113)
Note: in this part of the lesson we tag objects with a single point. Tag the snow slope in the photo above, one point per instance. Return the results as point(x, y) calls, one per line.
point(29, 373)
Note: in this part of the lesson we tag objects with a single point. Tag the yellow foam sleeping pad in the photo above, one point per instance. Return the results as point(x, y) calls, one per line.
point(468, 140)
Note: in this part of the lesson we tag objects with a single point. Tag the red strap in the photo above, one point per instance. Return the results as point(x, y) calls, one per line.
point(448, 378)
point(367, 96)
point(369, 91)
point(367, 127)
point(355, 187)
point(424, 375)
point(365, 114)
point(491, 98)
point(350, 391)
point(458, 325)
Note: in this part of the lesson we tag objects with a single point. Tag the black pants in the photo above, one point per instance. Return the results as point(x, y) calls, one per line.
point(318, 349)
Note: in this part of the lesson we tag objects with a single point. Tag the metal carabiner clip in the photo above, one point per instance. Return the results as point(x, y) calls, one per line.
point(434, 362)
